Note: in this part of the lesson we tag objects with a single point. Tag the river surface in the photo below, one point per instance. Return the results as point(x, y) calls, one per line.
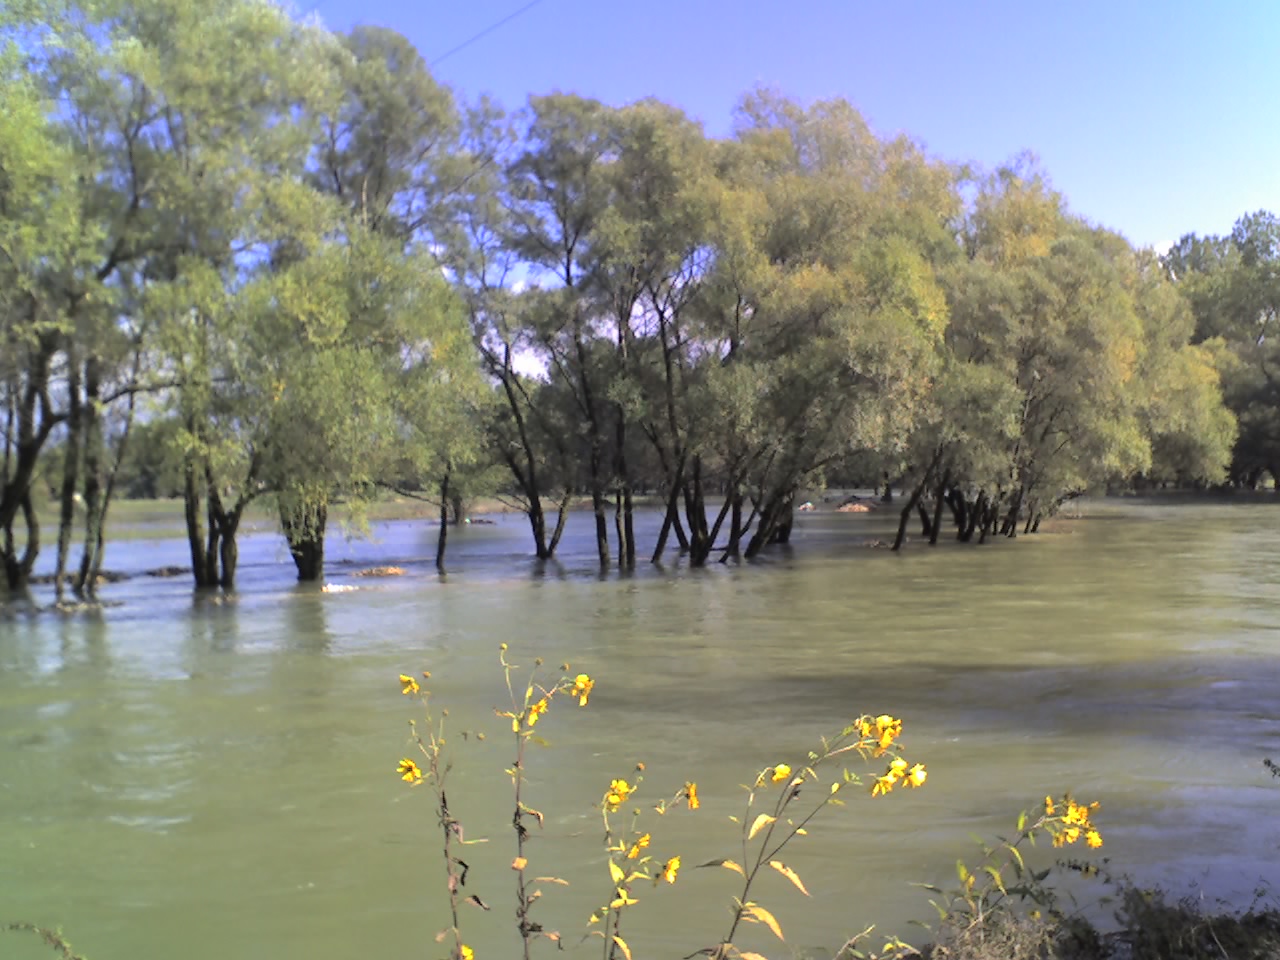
point(214, 780)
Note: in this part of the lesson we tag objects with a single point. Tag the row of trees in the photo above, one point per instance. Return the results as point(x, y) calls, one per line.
point(306, 269)
point(1233, 285)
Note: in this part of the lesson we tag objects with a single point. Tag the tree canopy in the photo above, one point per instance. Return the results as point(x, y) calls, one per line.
point(297, 269)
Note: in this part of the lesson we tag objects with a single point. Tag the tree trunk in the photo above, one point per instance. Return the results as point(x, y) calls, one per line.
point(200, 570)
point(1010, 527)
point(629, 527)
point(926, 521)
point(672, 518)
point(774, 524)
point(887, 496)
point(937, 508)
point(304, 528)
point(735, 525)
point(70, 475)
point(623, 518)
point(538, 524)
point(229, 553)
point(18, 569)
point(442, 538)
point(562, 516)
point(94, 444)
point(602, 521)
point(99, 547)
point(908, 510)
point(786, 520)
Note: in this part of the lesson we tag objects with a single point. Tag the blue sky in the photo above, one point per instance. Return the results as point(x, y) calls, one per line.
point(1153, 118)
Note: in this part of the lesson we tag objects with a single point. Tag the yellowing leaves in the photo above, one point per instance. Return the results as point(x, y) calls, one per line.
point(758, 914)
point(762, 821)
point(790, 874)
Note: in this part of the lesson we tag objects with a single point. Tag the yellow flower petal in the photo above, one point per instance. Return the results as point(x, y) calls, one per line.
point(637, 847)
point(780, 773)
point(670, 870)
point(691, 794)
point(581, 688)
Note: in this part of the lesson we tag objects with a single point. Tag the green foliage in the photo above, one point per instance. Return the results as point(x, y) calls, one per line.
point(1233, 286)
point(326, 274)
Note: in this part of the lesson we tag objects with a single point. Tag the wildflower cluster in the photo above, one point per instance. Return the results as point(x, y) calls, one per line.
point(766, 832)
point(1003, 872)
point(630, 859)
point(431, 745)
point(1068, 821)
point(524, 714)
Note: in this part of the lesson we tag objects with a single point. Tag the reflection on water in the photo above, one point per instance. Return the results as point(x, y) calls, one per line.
point(215, 777)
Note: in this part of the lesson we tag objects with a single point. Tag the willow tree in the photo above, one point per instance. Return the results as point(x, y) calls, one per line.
point(1233, 286)
point(41, 240)
point(816, 312)
point(369, 366)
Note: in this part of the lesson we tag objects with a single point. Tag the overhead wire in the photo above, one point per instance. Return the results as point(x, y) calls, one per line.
point(486, 31)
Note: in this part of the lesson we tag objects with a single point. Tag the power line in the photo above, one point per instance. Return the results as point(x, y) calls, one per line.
point(486, 31)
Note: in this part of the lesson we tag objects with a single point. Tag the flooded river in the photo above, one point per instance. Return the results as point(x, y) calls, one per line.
point(215, 780)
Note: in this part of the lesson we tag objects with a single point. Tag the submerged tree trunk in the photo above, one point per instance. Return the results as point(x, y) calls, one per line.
point(17, 569)
point(442, 539)
point(201, 572)
point(937, 508)
point(907, 510)
point(735, 525)
point(304, 528)
point(562, 516)
point(602, 521)
point(70, 475)
point(926, 521)
point(108, 492)
point(94, 448)
point(786, 520)
point(1010, 526)
point(672, 518)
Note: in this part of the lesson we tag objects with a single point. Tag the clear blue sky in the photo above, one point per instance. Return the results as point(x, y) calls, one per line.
point(1153, 118)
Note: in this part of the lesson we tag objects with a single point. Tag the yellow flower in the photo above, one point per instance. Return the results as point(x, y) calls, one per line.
point(617, 794)
point(408, 685)
point(691, 793)
point(536, 710)
point(883, 785)
point(637, 847)
point(466, 952)
point(1076, 814)
point(409, 771)
point(581, 689)
point(898, 767)
point(670, 870)
point(1071, 834)
point(887, 730)
point(1093, 838)
point(1048, 806)
point(917, 776)
point(780, 773)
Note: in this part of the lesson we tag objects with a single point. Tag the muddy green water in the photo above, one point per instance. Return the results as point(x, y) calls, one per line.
point(180, 778)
